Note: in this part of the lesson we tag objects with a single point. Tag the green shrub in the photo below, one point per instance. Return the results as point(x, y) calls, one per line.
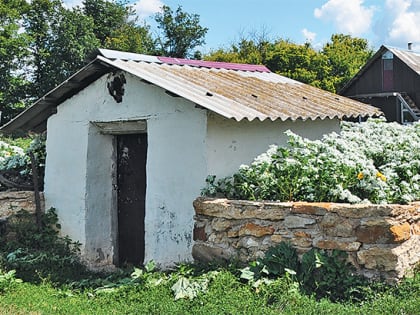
point(372, 161)
point(275, 263)
point(42, 254)
point(328, 274)
point(8, 280)
point(323, 274)
point(15, 162)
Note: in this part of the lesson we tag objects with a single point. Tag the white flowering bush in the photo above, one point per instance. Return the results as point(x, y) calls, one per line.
point(15, 163)
point(373, 161)
point(7, 150)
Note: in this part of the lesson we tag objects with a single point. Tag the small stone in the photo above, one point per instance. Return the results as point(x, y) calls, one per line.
point(294, 221)
point(255, 230)
point(221, 224)
point(317, 208)
point(199, 234)
point(401, 232)
point(378, 258)
point(340, 245)
point(232, 234)
point(248, 242)
point(276, 238)
point(373, 234)
point(334, 225)
point(416, 228)
point(212, 238)
point(206, 253)
point(302, 234)
point(302, 242)
point(374, 222)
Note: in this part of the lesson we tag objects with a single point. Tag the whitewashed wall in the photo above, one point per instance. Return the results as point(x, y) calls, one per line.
point(79, 169)
point(185, 144)
point(231, 143)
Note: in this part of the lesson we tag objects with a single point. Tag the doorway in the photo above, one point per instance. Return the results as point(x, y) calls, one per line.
point(131, 196)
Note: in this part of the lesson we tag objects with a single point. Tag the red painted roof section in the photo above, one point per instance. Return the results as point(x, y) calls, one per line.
point(214, 64)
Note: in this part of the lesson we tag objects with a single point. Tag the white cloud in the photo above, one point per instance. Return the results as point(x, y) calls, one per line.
point(146, 8)
point(400, 24)
point(72, 3)
point(143, 8)
point(349, 16)
point(309, 36)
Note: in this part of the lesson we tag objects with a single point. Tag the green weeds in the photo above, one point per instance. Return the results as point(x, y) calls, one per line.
point(56, 282)
point(39, 254)
point(320, 273)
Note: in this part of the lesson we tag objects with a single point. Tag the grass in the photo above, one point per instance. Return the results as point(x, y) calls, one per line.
point(55, 282)
point(226, 294)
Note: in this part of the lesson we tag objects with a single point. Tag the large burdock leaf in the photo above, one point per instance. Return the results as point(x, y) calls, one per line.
point(185, 288)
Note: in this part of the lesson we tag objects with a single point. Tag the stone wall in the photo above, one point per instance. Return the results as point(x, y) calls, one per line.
point(381, 240)
point(13, 201)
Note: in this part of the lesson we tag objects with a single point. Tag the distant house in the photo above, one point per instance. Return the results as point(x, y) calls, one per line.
point(390, 80)
point(131, 139)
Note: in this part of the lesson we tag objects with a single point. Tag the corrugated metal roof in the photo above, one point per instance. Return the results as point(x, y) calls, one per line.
point(113, 54)
point(231, 90)
point(409, 57)
point(214, 64)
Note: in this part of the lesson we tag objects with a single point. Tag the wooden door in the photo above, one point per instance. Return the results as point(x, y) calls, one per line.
point(387, 75)
point(131, 181)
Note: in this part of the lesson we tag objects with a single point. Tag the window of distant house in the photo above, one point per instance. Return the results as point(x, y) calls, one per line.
point(388, 71)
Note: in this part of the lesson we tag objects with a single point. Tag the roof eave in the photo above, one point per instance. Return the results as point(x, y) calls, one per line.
point(34, 117)
point(365, 67)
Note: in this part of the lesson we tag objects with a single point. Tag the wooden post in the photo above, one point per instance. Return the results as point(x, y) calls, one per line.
point(38, 210)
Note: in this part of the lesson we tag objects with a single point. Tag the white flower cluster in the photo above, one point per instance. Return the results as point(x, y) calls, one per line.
point(374, 161)
point(7, 150)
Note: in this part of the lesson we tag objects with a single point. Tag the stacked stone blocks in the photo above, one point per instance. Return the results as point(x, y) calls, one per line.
point(381, 240)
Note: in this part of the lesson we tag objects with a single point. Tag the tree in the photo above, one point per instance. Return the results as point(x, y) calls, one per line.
point(115, 26)
point(13, 52)
point(37, 23)
point(60, 40)
point(329, 69)
point(180, 32)
point(42, 43)
point(301, 63)
point(346, 56)
point(107, 16)
point(72, 40)
point(131, 38)
point(252, 49)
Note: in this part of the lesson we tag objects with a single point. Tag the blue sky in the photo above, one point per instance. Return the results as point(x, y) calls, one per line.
point(389, 22)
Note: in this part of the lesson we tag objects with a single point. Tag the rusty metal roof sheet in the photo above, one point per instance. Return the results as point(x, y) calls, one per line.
point(231, 90)
point(113, 54)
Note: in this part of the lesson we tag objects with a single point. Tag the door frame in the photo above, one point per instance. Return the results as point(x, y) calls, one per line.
point(117, 128)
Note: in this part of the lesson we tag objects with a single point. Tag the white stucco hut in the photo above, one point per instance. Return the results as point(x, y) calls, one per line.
point(131, 139)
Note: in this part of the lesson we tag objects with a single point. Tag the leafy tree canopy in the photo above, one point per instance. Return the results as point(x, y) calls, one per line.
point(13, 81)
point(42, 43)
point(60, 40)
point(116, 26)
point(346, 56)
point(330, 68)
point(107, 17)
point(180, 32)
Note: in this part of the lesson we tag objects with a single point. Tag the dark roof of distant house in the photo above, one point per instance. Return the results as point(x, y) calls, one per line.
point(409, 57)
point(238, 91)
